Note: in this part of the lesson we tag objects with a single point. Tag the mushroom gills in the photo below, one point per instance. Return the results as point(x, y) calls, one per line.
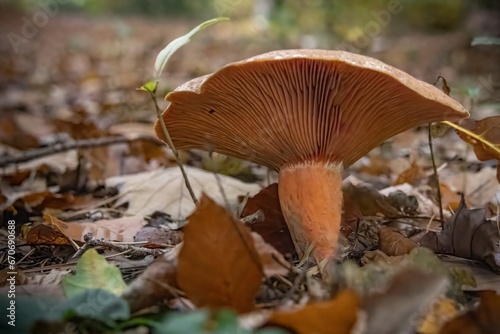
point(310, 196)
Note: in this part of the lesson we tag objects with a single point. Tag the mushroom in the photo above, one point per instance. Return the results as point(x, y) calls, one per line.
point(307, 114)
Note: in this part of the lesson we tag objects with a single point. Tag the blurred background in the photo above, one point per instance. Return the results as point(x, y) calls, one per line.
point(71, 69)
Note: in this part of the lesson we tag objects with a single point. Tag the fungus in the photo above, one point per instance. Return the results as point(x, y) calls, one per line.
point(307, 114)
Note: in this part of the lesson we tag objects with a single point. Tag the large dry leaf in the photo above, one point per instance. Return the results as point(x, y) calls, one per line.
point(164, 190)
point(218, 264)
point(336, 316)
point(468, 234)
point(121, 229)
point(483, 320)
point(273, 228)
point(489, 130)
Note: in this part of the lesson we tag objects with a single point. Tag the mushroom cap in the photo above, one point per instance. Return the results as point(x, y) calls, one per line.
point(289, 106)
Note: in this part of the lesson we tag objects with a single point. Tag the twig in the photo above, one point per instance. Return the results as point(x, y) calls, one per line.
point(134, 251)
point(36, 153)
point(172, 147)
point(438, 186)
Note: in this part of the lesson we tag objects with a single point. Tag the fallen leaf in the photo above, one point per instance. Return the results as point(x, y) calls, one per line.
point(483, 320)
point(218, 263)
point(449, 198)
point(336, 316)
point(41, 233)
point(410, 175)
point(156, 283)
point(394, 244)
point(369, 200)
point(164, 190)
point(121, 229)
point(395, 310)
point(489, 130)
point(441, 311)
point(93, 272)
point(273, 228)
point(273, 263)
point(468, 234)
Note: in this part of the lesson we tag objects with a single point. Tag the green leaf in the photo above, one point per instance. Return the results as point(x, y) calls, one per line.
point(180, 323)
point(150, 86)
point(168, 51)
point(94, 272)
point(98, 305)
point(485, 40)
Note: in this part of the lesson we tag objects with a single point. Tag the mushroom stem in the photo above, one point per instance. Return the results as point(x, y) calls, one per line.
point(310, 195)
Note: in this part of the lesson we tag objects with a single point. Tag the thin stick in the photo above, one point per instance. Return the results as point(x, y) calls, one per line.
point(36, 153)
point(438, 187)
point(172, 147)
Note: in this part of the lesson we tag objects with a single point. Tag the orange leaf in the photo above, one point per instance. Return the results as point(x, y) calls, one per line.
point(488, 129)
point(409, 175)
point(218, 263)
point(483, 320)
point(336, 316)
point(394, 244)
point(273, 229)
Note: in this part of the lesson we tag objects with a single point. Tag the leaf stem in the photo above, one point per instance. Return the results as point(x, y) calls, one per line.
point(438, 186)
point(172, 147)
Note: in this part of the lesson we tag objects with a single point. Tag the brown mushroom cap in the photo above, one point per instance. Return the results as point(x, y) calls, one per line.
point(289, 106)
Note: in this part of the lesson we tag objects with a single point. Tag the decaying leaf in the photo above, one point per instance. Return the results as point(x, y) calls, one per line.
point(441, 311)
point(273, 229)
point(218, 264)
point(369, 200)
point(120, 229)
point(336, 316)
point(94, 272)
point(156, 283)
point(394, 244)
point(397, 309)
point(488, 129)
point(273, 263)
point(468, 234)
point(483, 320)
point(164, 190)
point(410, 175)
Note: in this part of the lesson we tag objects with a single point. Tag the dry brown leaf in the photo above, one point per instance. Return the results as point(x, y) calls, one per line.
point(410, 175)
point(43, 234)
point(156, 283)
point(449, 198)
point(273, 228)
point(369, 200)
point(394, 244)
point(218, 263)
point(45, 199)
point(273, 263)
point(467, 234)
point(336, 316)
point(483, 320)
point(488, 129)
point(121, 229)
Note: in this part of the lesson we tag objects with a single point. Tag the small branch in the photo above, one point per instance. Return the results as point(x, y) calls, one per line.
point(172, 147)
point(438, 186)
point(91, 242)
point(36, 153)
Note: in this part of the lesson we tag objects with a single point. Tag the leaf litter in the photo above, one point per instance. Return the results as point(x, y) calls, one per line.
point(214, 262)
